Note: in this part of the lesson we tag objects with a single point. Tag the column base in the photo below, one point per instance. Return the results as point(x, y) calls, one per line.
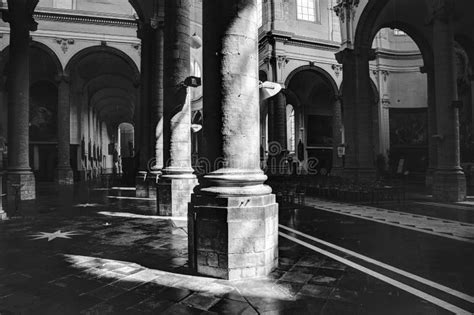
point(64, 176)
point(21, 183)
point(449, 185)
point(233, 237)
point(174, 194)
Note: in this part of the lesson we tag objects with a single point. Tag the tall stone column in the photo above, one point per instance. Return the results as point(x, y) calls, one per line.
point(358, 122)
point(233, 217)
point(432, 128)
point(177, 180)
point(156, 104)
point(449, 180)
point(278, 140)
point(64, 174)
point(143, 130)
point(337, 162)
point(20, 178)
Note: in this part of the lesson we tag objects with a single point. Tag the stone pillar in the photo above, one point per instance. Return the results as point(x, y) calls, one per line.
point(233, 217)
point(64, 174)
point(432, 128)
point(157, 105)
point(20, 178)
point(449, 180)
point(177, 180)
point(337, 165)
point(358, 122)
point(278, 140)
point(143, 130)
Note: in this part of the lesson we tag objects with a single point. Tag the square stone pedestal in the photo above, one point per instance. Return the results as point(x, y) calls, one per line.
point(174, 194)
point(234, 237)
point(23, 183)
point(64, 176)
point(449, 185)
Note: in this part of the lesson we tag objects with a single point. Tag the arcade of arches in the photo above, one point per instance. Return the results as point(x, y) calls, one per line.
point(385, 87)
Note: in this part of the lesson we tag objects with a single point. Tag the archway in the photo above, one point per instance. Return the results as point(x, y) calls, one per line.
point(106, 81)
point(311, 93)
point(401, 137)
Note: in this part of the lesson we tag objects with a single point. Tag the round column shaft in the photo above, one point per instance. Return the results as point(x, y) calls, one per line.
point(231, 109)
point(64, 174)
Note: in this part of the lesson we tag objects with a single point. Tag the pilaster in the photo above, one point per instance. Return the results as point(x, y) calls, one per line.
point(449, 180)
point(358, 113)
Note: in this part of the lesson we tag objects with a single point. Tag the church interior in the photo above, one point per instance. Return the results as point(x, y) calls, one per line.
point(236, 157)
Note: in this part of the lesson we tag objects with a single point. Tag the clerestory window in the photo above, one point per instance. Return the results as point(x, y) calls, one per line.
point(307, 10)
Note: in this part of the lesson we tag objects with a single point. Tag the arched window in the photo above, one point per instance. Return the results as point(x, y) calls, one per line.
point(290, 128)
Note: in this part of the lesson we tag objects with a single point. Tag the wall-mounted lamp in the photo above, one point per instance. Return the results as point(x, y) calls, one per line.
point(269, 89)
point(196, 41)
point(196, 128)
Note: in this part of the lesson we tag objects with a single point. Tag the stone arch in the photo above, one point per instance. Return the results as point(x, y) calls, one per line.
point(54, 57)
point(102, 49)
point(416, 35)
point(318, 70)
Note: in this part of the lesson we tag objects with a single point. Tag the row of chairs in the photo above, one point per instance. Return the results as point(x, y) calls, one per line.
point(292, 190)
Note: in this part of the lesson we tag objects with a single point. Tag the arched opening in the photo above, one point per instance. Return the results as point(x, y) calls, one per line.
point(106, 79)
point(401, 137)
point(313, 91)
point(43, 128)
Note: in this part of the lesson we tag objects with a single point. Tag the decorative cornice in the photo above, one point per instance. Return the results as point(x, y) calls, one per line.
point(398, 55)
point(292, 40)
point(85, 19)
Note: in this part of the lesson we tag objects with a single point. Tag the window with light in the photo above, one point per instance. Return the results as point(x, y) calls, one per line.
point(306, 10)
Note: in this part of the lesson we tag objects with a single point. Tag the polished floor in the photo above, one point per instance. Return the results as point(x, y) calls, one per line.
point(91, 250)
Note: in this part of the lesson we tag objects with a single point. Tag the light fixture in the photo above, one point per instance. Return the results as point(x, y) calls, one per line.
point(196, 41)
point(269, 89)
point(196, 127)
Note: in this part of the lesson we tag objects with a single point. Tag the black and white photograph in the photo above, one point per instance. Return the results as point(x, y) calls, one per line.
point(277, 157)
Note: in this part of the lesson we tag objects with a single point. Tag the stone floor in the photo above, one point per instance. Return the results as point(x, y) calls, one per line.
point(85, 251)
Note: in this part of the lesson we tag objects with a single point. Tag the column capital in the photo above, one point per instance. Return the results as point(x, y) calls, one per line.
point(344, 55)
point(62, 78)
point(20, 14)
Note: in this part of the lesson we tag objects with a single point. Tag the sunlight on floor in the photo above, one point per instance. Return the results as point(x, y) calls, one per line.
point(132, 272)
